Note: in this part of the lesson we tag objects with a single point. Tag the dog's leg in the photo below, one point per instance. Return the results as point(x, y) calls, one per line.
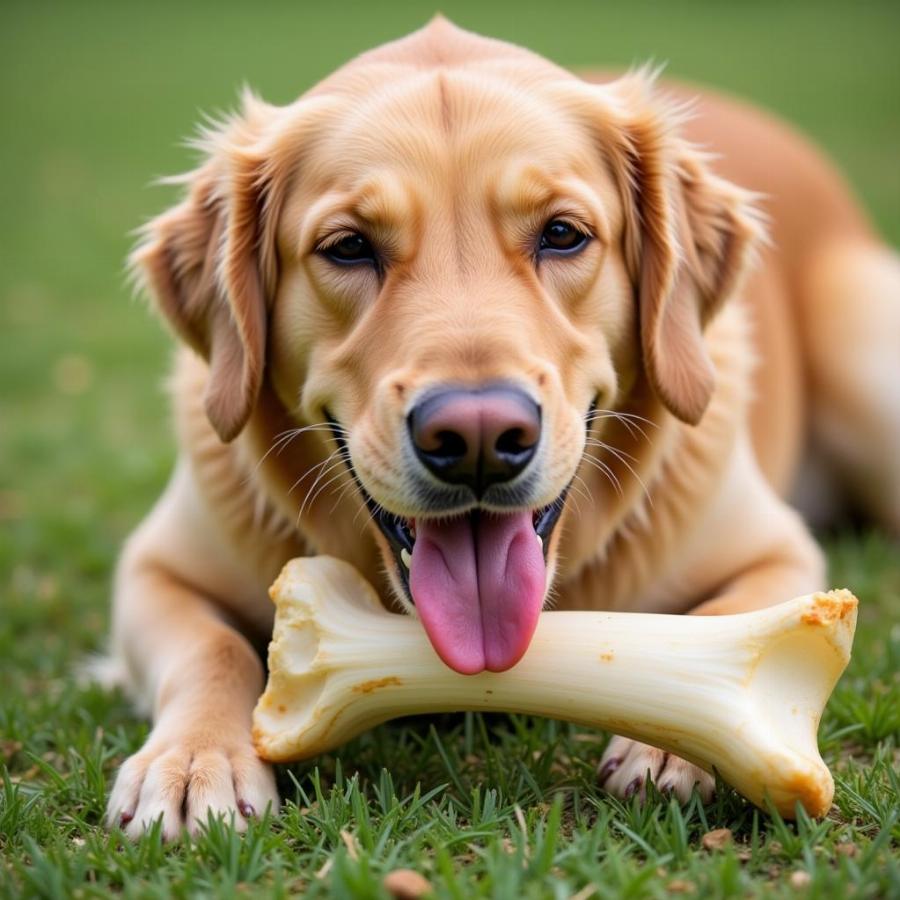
point(200, 676)
point(204, 679)
point(851, 325)
point(753, 552)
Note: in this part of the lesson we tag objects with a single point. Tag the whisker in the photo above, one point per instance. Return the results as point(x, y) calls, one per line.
point(600, 413)
point(376, 510)
point(322, 487)
point(312, 499)
point(579, 487)
point(283, 438)
point(359, 513)
point(606, 470)
point(324, 469)
point(632, 428)
point(629, 420)
point(350, 487)
point(602, 445)
point(623, 458)
point(312, 469)
point(338, 463)
point(341, 494)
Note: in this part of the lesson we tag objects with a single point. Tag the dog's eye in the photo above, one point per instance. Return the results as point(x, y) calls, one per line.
point(561, 236)
point(349, 249)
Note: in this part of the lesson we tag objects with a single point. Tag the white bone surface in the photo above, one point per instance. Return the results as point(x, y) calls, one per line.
point(742, 694)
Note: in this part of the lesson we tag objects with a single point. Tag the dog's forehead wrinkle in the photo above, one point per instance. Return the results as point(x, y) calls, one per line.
point(449, 119)
point(446, 120)
point(455, 236)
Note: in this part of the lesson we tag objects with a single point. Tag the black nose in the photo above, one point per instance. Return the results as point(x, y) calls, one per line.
point(476, 437)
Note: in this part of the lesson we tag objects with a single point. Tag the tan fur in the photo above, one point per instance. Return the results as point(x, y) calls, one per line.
point(453, 163)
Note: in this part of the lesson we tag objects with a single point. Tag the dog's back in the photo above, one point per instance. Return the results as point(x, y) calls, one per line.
point(827, 301)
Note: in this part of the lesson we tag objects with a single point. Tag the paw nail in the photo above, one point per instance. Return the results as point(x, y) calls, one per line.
point(246, 809)
point(633, 787)
point(125, 818)
point(667, 789)
point(608, 768)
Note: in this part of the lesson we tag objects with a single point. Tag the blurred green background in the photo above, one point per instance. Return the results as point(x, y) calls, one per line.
point(96, 101)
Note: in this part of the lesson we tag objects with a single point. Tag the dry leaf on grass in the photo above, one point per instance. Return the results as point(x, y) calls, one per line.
point(717, 839)
point(406, 884)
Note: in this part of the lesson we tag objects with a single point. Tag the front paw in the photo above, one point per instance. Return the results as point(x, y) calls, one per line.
point(625, 766)
point(182, 777)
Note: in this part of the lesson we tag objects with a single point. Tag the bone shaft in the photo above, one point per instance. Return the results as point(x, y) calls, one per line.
point(657, 698)
point(739, 693)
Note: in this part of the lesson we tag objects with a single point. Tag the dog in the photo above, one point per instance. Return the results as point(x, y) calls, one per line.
point(503, 338)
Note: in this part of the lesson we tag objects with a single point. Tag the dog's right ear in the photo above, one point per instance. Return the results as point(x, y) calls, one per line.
point(210, 262)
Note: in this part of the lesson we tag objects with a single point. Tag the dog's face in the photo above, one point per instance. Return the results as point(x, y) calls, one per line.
point(454, 271)
point(453, 298)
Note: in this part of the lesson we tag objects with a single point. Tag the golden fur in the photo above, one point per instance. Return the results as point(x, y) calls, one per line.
point(453, 162)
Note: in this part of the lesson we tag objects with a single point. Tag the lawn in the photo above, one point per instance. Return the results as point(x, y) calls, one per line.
point(95, 99)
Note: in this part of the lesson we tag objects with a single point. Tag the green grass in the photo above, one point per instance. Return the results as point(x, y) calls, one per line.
point(95, 98)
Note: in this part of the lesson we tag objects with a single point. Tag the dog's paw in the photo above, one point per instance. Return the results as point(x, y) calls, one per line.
point(183, 778)
point(625, 766)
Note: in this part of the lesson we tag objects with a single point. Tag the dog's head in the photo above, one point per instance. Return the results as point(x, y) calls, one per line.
point(454, 253)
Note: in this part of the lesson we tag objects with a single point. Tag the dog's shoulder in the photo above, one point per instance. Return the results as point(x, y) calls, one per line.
point(227, 476)
point(258, 489)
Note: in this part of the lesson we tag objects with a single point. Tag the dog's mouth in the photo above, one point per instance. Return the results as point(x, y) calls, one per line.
point(477, 579)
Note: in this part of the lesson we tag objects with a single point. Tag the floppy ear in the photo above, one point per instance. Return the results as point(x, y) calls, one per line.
point(689, 236)
point(210, 263)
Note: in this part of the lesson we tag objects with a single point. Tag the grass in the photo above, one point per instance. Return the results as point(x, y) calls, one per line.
point(95, 97)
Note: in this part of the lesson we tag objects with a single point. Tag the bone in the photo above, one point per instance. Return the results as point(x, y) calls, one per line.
point(741, 695)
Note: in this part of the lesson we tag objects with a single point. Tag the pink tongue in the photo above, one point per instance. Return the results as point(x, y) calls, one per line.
point(478, 586)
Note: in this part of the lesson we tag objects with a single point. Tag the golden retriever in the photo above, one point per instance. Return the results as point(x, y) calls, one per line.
point(459, 317)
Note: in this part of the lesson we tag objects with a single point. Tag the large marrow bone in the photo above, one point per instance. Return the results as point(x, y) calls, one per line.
point(742, 694)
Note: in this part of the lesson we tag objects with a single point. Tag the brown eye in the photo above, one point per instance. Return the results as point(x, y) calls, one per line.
point(350, 249)
point(560, 237)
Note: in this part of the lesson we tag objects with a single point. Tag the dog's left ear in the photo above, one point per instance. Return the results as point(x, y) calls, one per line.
point(688, 238)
